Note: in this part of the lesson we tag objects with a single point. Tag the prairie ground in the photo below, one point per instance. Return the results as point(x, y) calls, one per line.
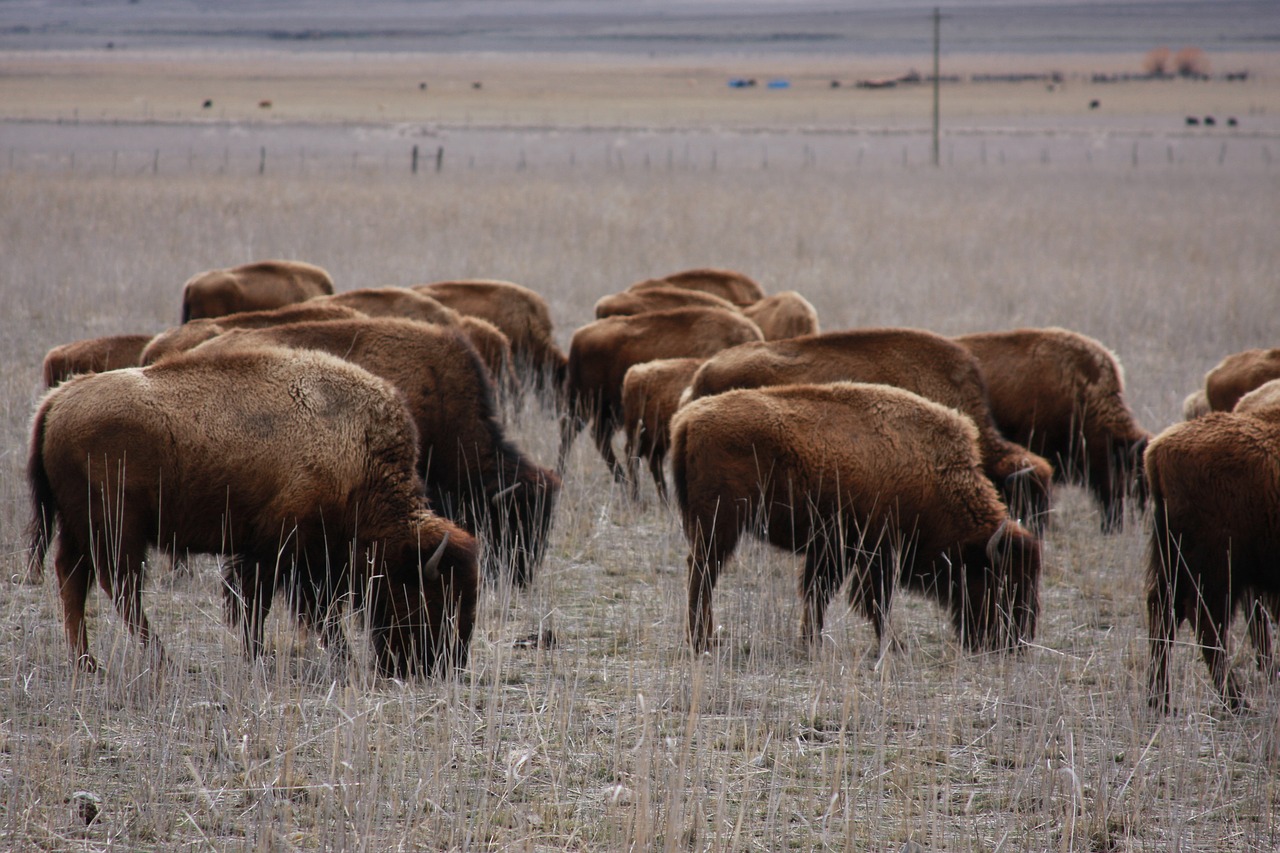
point(615, 736)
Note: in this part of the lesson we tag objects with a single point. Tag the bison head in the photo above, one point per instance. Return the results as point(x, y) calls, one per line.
point(421, 602)
point(995, 590)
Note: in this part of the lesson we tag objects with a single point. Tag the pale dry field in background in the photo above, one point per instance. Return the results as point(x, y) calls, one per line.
point(616, 737)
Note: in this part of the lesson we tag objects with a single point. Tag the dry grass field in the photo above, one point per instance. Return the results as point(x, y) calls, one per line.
point(615, 737)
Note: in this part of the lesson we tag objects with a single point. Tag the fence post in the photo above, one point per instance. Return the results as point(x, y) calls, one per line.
point(413, 162)
point(439, 158)
point(262, 160)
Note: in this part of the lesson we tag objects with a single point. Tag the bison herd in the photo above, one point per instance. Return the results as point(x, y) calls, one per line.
point(346, 451)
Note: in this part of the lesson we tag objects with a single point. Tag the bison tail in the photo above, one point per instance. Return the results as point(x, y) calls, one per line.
point(43, 504)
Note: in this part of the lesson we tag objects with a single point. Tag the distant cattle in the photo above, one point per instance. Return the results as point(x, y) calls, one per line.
point(252, 287)
point(92, 355)
point(519, 312)
point(473, 474)
point(1238, 374)
point(1215, 492)
point(925, 363)
point(601, 353)
point(297, 465)
point(866, 481)
point(650, 396)
point(193, 333)
point(738, 288)
point(1061, 394)
point(784, 315)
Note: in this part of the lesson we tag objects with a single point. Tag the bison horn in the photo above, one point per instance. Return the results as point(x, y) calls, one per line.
point(434, 562)
point(498, 496)
point(997, 538)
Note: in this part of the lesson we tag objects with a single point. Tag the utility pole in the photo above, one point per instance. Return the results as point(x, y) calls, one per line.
point(937, 81)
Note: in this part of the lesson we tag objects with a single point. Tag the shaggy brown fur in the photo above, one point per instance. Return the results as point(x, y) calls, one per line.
point(93, 355)
point(406, 303)
point(252, 287)
point(1262, 402)
point(520, 313)
point(184, 337)
point(601, 352)
point(650, 396)
point(1195, 405)
point(861, 479)
point(930, 365)
point(784, 315)
point(1238, 374)
point(1061, 394)
point(736, 287)
point(298, 465)
point(659, 298)
point(473, 474)
point(1215, 490)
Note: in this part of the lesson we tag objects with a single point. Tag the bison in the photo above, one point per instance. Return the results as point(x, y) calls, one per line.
point(650, 396)
point(659, 298)
point(473, 474)
point(1215, 490)
point(519, 312)
point(784, 315)
point(92, 355)
point(191, 334)
point(1261, 401)
point(1195, 405)
point(408, 304)
point(927, 364)
point(1061, 394)
point(601, 352)
point(252, 287)
point(859, 478)
point(736, 287)
point(1238, 374)
point(297, 465)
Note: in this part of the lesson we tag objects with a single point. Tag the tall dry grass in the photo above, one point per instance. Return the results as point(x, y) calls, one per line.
point(614, 737)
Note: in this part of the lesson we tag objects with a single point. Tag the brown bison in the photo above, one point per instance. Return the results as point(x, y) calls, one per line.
point(1238, 374)
point(1215, 489)
point(519, 312)
point(927, 364)
point(736, 287)
point(473, 474)
point(92, 355)
point(861, 479)
point(1195, 405)
point(784, 315)
point(1061, 394)
point(659, 298)
point(298, 465)
point(601, 353)
point(408, 304)
point(252, 287)
point(650, 396)
point(1261, 401)
point(191, 334)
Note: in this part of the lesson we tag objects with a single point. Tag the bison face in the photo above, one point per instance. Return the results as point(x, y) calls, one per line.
point(996, 590)
point(422, 600)
point(518, 522)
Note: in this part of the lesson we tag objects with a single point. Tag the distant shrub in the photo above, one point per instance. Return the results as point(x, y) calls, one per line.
point(1191, 62)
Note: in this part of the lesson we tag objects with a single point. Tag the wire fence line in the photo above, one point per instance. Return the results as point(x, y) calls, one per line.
point(641, 152)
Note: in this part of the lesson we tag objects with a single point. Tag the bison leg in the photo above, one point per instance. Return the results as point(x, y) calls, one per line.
point(74, 576)
point(571, 423)
point(659, 477)
point(1212, 626)
point(871, 590)
point(1162, 618)
point(1260, 626)
point(247, 596)
point(602, 432)
point(711, 542)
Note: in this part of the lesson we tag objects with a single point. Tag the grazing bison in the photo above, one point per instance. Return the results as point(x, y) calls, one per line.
point(408, 304)
point(1263, 401)
point(519, 312)
point(736, 287)
point(191, 334)
point(1195, 405)
point(1061, 394)
point(784, 315)
point(92, 355)
point(1215, 490)
point(930, 365)
point(861, 479)
point(601, 353)
point(297, 465)
point(1238, 374)
point(660, 298)
point(473, 474)
point(650, 396)
point(252, 287)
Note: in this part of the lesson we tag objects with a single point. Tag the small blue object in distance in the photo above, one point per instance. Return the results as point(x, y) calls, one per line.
point(779, 84)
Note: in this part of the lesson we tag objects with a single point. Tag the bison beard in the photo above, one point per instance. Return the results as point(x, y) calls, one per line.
point(851, 486)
